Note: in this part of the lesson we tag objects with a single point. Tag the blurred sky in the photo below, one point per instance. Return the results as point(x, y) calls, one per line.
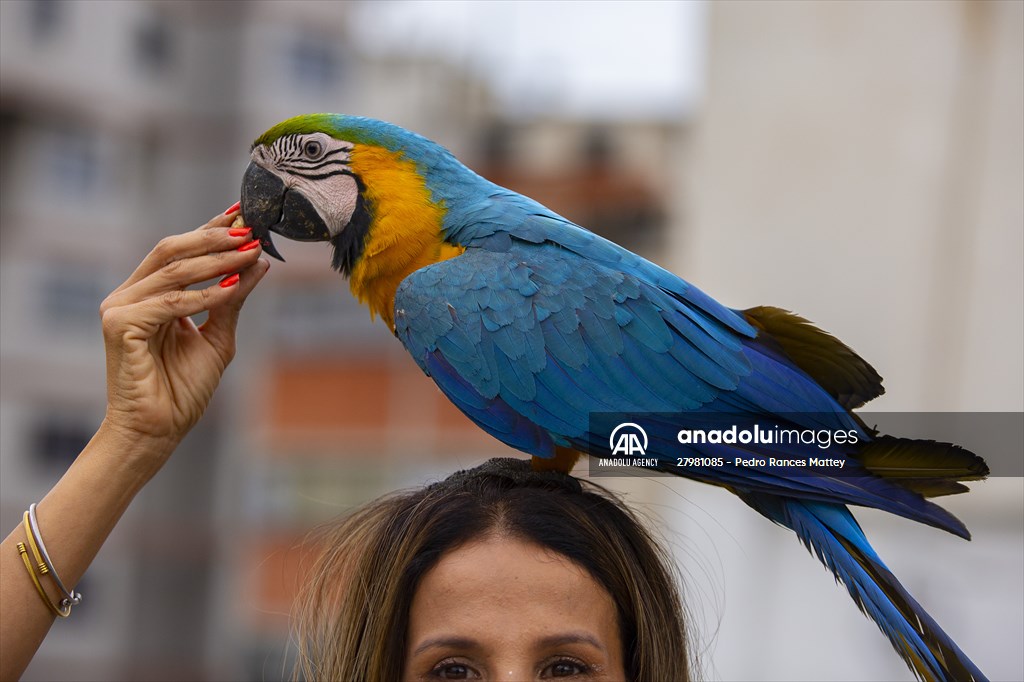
point(597, 56)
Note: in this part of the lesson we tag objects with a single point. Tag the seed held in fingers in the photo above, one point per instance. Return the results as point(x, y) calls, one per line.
point(248, 246)
point(239, 231)
point(234, 207)
point(230, 281)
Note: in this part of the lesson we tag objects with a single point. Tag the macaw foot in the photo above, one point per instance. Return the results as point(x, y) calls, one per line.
point(563, 461)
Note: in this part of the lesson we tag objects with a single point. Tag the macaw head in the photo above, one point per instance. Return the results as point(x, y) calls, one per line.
point(322, 177)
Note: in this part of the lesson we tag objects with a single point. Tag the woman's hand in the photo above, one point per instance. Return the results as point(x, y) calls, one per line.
point(161, 372)
point(161, 368)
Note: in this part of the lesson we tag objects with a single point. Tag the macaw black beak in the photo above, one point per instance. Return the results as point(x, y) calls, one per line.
point(268, 206)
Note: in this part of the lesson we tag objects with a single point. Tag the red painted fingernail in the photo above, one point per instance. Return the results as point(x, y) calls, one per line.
point(234, 207)
point(239, 231)
point(230, 280)
point(248, 246)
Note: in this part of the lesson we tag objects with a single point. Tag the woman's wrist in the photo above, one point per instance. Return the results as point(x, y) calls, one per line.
point(139, 455)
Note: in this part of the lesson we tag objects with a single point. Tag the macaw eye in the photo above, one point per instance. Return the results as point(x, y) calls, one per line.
point(312, 149)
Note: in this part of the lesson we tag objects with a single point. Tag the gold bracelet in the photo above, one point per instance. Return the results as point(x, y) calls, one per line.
point(43, 570)
point(70, 596)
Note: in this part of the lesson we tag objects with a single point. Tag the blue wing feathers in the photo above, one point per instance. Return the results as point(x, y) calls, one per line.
point(540, 324)
point(459, 390)
point(456, 343)
point(596, 327)
point(495, 416)
point(666, 376)
point(510, 341)
point(621, 381)
point(514, 378)
point(600, 334)
point(581, 391)
point(714, 343)
point(563, 344)
point(577, 361)
point(622, 316)
point(647, 326)
point(703, 367)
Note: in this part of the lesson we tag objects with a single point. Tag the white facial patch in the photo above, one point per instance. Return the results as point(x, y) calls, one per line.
point(334, 198)
point(317, 165)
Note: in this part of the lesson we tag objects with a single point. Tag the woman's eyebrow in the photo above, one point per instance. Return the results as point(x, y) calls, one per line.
point(571, 638)
point(454, 642)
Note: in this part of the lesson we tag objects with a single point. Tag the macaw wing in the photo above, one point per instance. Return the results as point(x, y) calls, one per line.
point(493, 228)
point(530, 342)
point(542, 334)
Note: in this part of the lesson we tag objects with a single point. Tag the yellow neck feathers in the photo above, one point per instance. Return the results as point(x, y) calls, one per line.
point(405, 228)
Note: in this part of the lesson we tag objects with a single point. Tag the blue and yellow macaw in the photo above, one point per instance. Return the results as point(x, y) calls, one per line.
point(530, 324)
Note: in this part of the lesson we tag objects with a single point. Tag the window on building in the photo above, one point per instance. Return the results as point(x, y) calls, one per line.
point(45, 17)
point(497, 146)
point(318, 317)
point(10, 123)
point(155, 44)
point(313, 61)
point(597, 148)
point(71, 296)
point(594, 191)
point(57, 438)
point(72, 161)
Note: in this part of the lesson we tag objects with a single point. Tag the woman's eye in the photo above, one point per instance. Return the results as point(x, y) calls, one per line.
point(565, 668)
point(454, 671)
point(312, 149)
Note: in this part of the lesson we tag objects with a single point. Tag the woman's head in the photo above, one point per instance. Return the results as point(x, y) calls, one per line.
point(495, 570)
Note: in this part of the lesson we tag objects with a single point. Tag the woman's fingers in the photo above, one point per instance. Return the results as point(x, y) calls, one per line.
point(199, 242)
point(222, 219)
point(219, 328)
point(186, 272)
point(159, 310)
point(209, 238)
point(158, 291)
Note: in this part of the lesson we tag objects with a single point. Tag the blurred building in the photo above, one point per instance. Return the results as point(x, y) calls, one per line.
point(862, 164)
point(615, 179)
point(124, 122)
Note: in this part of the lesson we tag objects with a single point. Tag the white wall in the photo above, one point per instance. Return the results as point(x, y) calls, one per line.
point(861, 164)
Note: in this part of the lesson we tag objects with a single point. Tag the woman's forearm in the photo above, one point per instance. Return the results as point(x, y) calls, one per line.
point(75, 518)
point(162, 370)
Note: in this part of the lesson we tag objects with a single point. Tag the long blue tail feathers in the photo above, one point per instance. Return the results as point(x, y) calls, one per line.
point(834, 536)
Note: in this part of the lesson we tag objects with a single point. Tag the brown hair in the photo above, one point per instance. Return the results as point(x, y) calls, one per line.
point(353, 611)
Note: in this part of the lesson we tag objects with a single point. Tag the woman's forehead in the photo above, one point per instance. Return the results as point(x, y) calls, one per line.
point(504, 580)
